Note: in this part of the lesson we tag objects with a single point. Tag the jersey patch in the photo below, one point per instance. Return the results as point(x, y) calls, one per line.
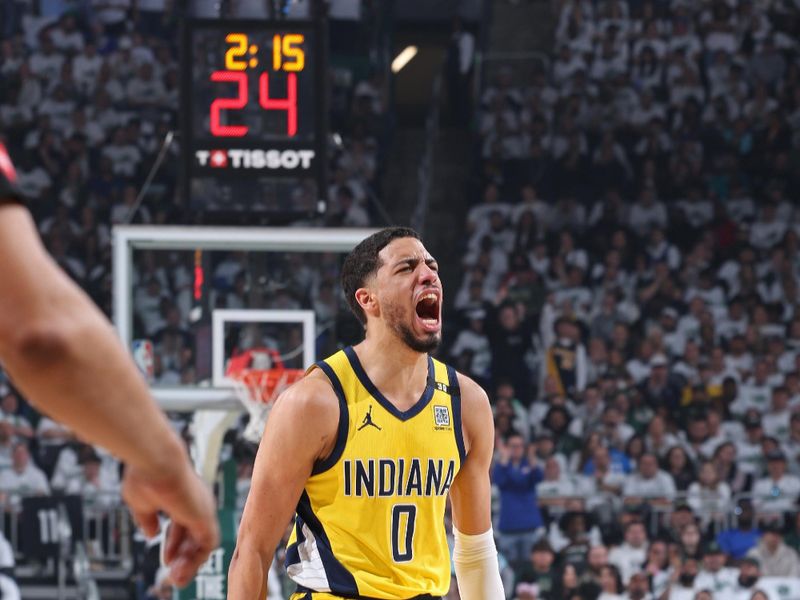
point(441, 416)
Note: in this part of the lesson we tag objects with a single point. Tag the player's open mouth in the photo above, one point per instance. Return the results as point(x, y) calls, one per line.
point(427, 310)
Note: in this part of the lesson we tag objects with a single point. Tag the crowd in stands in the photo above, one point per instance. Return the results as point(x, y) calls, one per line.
point(87, 95)
point(630, 292)
point(630, 301)
point(86, 99)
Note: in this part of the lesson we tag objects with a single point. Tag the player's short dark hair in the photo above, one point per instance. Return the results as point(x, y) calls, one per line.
point(363, 262)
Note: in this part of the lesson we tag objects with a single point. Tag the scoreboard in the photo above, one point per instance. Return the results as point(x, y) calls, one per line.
point(253, 116)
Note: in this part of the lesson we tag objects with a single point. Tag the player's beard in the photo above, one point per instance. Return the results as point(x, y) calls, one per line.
point(423, 345)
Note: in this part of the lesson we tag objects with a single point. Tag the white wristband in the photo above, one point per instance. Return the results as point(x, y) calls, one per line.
point(477, 569)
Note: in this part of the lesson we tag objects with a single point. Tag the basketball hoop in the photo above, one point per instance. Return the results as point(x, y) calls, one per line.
point(259, 377)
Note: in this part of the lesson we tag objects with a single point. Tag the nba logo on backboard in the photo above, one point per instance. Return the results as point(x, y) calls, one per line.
point(441, 416)
point(143, 357)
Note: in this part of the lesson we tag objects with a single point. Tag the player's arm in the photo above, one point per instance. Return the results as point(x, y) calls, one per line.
point(64, 356)
point(475, 555)
point(301, 430)
point(66, 359)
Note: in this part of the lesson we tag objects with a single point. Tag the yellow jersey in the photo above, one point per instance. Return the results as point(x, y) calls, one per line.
point(370, 522)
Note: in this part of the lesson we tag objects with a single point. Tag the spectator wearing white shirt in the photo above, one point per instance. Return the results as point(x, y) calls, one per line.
point(717, 435)
point(567, 64)
point(778, 492)
point(615, 431)
point(21, 429)
point(659, 249)
point(112, 14)
point(749, 455)
point(709, 497)
point(611, 585)
point(688, 366)
point(775, 557)
point(474, 292)
point(24, 478)
point(756, 392)
point(125, 156)
point(90, 129)
point(610, 59)
point(144, 89)
point(689, 324)
point(681, 586)
point(66, 36)
point(658, 440)
point(715, 576)
point(86, 67)
point(646, 111)
point(647, 212)
point(59, 107)
point(629, 556)
point(648, 69)
point(66, 469)
point(149, 298)
point(768, 230)
point(649, 483)
point(13, 113)
point(349, 212)
point(707, 289)
point(776, 420)
point(496, 229)
point(51, 433)
point(478, 215)
point(474, 340)
point(749, 581)
point(674, 340)
point(142, 52)
point(46, 62)
point(556, 487)
point(739, 359)
point(98, 488)
point(9, 590)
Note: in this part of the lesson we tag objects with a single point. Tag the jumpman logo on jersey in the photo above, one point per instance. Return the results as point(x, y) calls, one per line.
point(368, 420)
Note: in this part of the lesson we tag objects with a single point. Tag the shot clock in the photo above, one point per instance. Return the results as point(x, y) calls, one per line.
point(253, 115)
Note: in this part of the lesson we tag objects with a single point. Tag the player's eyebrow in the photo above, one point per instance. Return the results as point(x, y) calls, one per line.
point(413, 261)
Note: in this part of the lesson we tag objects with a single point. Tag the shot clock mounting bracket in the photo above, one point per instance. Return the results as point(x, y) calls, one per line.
point(254, 117)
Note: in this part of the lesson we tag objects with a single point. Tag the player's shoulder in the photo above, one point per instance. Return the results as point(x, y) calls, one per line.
point(472, 394)
point(312, 395)
point(477, 418)
point(476, 411)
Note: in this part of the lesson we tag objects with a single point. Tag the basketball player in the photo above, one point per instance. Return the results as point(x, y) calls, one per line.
point(66, 359)
point(365, 449)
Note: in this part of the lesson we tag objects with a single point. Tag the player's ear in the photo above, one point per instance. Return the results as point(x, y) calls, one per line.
point(367, 300)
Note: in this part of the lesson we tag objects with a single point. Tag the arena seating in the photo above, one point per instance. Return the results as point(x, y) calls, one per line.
point(630, 301)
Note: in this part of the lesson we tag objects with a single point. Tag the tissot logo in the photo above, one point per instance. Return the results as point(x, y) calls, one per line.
point(255, 159)
point(219, 159)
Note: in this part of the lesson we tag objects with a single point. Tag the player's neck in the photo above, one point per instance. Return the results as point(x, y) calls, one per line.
point(399, 372)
